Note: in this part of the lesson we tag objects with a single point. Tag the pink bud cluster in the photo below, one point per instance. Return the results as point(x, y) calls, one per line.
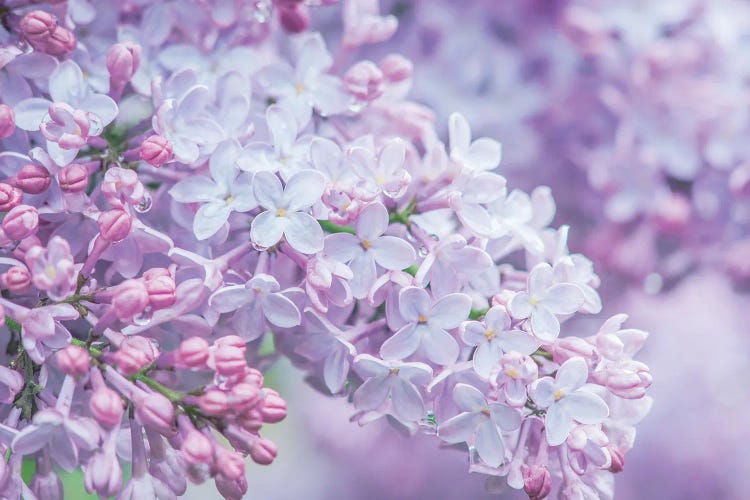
point(186, 184)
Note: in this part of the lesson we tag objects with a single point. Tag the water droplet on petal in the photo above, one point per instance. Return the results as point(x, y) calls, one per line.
point(422, 251)
point(262, 11)
point(144, 318)
point(259, 248)
point(145, 204)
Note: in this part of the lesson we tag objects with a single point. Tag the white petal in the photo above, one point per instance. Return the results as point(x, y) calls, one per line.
point(572, 374)
point(407, 402)
point(557, 425)
point(230, 298)
point(469, 398)
point(393, 253)
point(402, 344)
point(440, 346)
point(197, 188)
point(489, 444)
point(544, 324)
point(372, 393)
point(563, 298)
point(372, 221)
point(30, 113)
point(268, 190)
point(266, 229)
point(586, 407)
point(281, 311)
point(304, 233)
point(450, 311)
point(209, 219)
point(460, 428)
point(303, 190)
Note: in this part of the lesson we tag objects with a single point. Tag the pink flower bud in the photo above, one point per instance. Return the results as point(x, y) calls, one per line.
point(123, 61)
point(156, 151)
point(193, 353)
point(155, 272)
point(674, 214)
point(33, 179)
point(61, 43)
point(25, 245)
point(161, 292)
point(364, 81)
point(231, 488)
point(73, 178)
point(37, 26)
point(73, 360)
point(230, 463)
point(130, 299)
point(114, 225)
point(156, 411)
point(17, 279)
point(273, 407)
point(294, 19)
point(253, 376)
point(229, 360)
point(47, 484)
point(243, 396)
point(231, 340)
point(122, 186)
point(106, 407)
point(537, 482)
point(569, 347)
point(396, 68)
point(263, 451)
point(197, 448)
point(7, 121)
point(20, 222)
point(214, 402)
point(618, 460)
point(10, 196)
point(135, 353)
point(103, 475)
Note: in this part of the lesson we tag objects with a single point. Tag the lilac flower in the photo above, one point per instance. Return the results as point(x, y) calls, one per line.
point(450, 263)
point(227, 190)
point(307, 86)
point(481, 154)
point(255, 302)
point(480, 424)
point(42, 332)
point(52, 268)
point(426, 325)
point(74, 114)
point(393, 384)
point(286, 155)
point(187, 124)
point(368, 248)
point(493, 337)
point(383, 172)
point(566, 400)
point(285, 214)
point(544, 300)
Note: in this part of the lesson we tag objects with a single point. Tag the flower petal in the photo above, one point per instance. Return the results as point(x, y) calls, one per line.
point(586, 407)
point(469, 398)
point(450, 310)
point(460, 428)
point(303, 233)
point(407, 402)
point(557, 425)
point(393, 253)
point(563, 298)
point(266, 229)
point(489, 444)
point(402, 344)
point(280, 311)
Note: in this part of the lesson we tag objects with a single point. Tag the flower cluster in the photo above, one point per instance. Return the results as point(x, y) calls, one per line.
point(193, 188)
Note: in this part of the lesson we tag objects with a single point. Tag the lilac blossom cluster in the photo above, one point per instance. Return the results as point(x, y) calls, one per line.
point(195, 188)
point(642, 102)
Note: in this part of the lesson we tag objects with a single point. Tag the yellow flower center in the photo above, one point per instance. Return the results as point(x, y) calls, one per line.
point(50, 271)
point(366, 244)
point(533, 300)
point(558, 394)
point(299, 88)
point(512, 372)
point(281, 212)
point(422, 318)
point(486, 411)
point(489, 334)
point(229, 199)
point(394, 371)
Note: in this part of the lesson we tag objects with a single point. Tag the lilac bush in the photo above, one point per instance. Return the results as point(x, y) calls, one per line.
point(193, 189)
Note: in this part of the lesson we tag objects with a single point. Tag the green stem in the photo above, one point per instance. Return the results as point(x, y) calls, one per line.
point(330, 227)
point(475, 314)
point(544, 353)
point(403, 216)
